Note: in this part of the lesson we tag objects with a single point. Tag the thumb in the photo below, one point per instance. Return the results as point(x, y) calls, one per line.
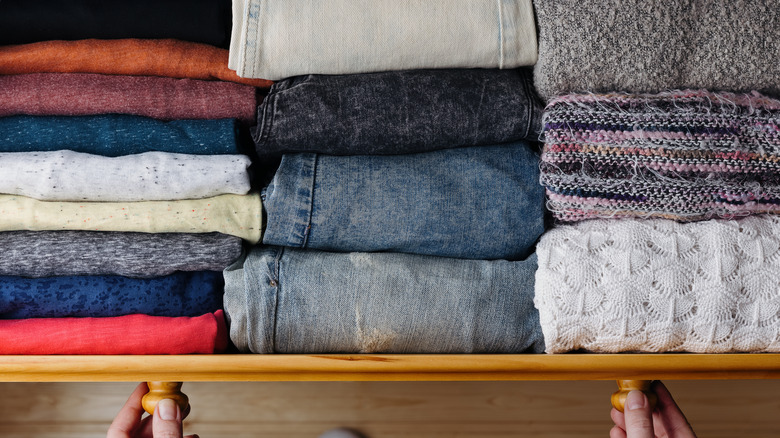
point(167, 420)
point(639, 416)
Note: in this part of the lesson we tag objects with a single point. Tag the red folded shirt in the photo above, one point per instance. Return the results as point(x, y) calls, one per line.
point(132, 334)
point(81, 94)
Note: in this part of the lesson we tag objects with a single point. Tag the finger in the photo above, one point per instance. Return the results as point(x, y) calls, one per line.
point(639, 416)
point(673, 420)
point(617, 432)
point(167, 420)
point(618, 418)
point(129, 417)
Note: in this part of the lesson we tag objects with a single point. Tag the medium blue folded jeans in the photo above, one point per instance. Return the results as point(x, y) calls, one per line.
point(282, 300)
point(478, 202)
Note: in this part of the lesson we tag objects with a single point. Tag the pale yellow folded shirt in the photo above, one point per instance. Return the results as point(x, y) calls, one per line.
point(237, 215)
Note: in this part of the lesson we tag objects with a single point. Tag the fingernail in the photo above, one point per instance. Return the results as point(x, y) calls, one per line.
point(167, 409)
point(636, 400)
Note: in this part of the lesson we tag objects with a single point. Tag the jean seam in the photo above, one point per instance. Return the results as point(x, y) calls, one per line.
point(276, 273)
point(264, 128)
point(307, 229)
point(500, 34)
point(530, 104)
point(254, 7)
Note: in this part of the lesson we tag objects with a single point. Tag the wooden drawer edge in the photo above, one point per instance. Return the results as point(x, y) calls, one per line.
point(392, 367)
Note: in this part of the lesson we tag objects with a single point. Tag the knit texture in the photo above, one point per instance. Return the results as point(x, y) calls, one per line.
point(134, 57)
point(117, 134)
point(131, 334)
point(151, 176)
point(81, 94)
point(237, 215)
point(648, 46)
point(141, 255)
point(684, 155)
point(661, 286)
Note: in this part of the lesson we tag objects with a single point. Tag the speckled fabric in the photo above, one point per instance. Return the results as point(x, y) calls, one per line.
point(140, 255)
point(150, 176)
point(178, 294)
point(113, 135)
point(237, 215)
point(650, 46)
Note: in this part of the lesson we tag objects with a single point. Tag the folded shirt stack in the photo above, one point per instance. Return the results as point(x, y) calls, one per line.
point(125, 188)
point(401, 128)
point(660, 167)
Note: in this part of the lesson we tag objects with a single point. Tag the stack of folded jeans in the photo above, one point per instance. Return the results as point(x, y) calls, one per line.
point(660, 166)
point(404, 212)
point(124, 189)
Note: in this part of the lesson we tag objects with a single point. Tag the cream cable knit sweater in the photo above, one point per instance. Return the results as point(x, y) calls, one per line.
point(658, 285)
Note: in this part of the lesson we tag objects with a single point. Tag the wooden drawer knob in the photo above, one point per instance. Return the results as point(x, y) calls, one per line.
point(626, 386)
point(162, 390)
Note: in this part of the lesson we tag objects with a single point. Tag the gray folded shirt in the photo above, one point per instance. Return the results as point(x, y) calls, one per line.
point(67, 253)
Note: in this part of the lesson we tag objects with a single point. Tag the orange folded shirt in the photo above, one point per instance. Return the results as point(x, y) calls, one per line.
point(132, 57)
point(131, 334)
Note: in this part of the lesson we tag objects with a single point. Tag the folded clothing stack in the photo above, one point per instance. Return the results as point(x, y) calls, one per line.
point(125, 190)
point(387, 229)
point(659, 162)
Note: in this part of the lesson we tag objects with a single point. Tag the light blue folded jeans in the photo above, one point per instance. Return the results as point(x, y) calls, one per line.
point(480, 202)
point(283, 300)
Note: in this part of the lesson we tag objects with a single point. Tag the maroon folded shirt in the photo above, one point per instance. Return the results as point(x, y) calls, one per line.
point(79, 94)
point(131, 334)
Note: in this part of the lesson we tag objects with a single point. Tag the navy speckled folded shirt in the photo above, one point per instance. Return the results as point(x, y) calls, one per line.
point(178, 294)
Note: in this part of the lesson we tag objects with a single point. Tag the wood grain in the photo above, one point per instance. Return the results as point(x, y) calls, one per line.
point(244, 367)
point(389, 409)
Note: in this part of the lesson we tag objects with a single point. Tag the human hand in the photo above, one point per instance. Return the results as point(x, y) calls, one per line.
point(639, 421)
point(165, 423)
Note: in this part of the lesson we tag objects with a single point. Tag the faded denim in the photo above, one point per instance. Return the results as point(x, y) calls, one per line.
point(478, 203)
point(277, 39)
point(282, 300)
point(398, 112)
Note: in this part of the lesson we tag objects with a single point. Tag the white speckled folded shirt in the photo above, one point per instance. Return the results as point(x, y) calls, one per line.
point(151, 176)
point(237, 215)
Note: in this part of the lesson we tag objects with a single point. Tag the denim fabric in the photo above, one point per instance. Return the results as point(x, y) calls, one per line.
point(113, 135)
point(398, 112)
point(479, 202)
point(277, 39)
point(178, 294)
point(282, 300)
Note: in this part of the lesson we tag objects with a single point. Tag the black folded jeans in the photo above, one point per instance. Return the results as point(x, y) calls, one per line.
point(398, 112)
